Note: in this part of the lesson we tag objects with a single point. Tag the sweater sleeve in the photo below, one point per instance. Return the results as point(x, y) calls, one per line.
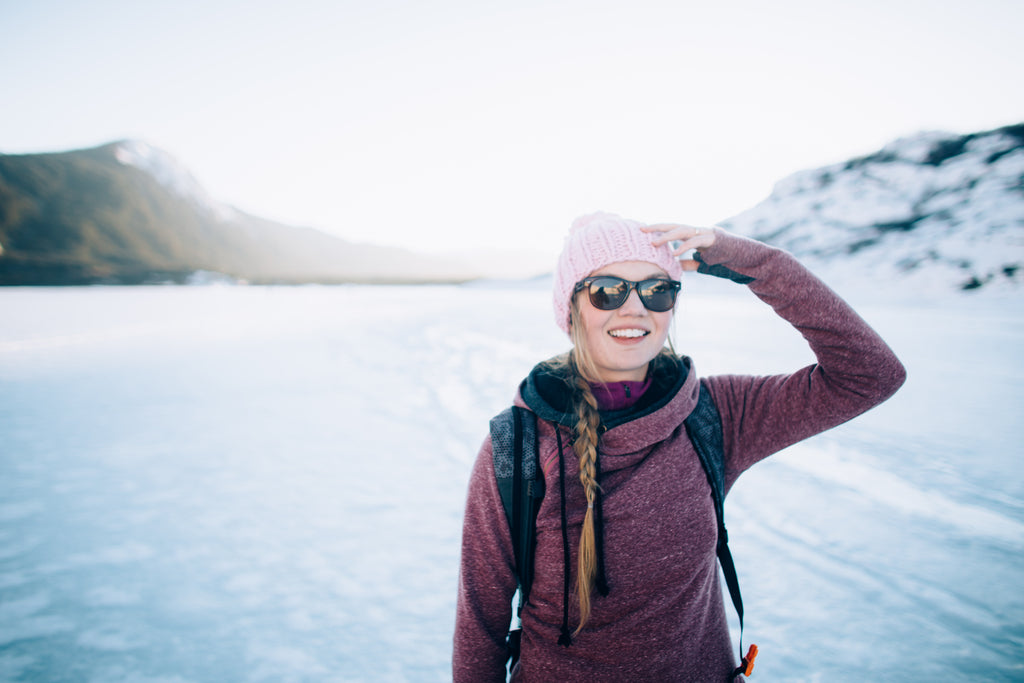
point(855, 369)
point(486, 580)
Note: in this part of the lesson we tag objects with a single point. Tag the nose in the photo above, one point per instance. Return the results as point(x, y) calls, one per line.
point(633, 305)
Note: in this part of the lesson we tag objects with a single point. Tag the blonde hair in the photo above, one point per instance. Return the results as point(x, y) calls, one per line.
point(583, 371)
point(588, 422)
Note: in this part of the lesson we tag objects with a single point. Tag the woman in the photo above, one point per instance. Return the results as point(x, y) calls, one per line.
point(646, 602)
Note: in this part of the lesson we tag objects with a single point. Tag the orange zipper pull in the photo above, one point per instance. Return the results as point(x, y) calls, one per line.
point(747, 664)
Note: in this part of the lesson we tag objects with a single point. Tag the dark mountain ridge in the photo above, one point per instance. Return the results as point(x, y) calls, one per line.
point(125, 213)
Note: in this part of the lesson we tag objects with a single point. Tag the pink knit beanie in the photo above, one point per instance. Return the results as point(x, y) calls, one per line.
point(597, 240)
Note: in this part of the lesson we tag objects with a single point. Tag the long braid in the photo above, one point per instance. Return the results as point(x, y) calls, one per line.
point(588, 422)
point(585, 446)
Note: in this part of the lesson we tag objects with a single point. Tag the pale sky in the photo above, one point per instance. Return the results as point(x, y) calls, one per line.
point(458, 124)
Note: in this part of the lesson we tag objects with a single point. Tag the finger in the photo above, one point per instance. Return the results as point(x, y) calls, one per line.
point(663, 227)
point(675, 232)
point(689, 264)
point(663, 233)
point(701, 240)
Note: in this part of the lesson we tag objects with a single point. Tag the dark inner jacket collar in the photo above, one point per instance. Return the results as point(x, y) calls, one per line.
point(548, 392)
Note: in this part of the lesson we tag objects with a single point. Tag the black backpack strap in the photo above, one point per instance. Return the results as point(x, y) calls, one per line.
point(515, 446)
point(704, 427)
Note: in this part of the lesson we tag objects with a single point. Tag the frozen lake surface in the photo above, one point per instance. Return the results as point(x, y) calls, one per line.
point(266, 484)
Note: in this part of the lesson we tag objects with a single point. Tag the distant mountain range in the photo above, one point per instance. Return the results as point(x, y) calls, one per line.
point(933, 211)
point(937, 211)
point(127, 213)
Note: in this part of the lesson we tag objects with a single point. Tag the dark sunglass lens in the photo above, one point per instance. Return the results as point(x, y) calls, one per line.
point(658, 295)
point(607, 293)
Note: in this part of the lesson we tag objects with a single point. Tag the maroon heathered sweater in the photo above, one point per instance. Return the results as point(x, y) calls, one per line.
point(664, 618)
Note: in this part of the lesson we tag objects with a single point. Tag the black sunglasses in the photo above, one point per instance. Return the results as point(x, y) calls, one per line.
point(608, 292)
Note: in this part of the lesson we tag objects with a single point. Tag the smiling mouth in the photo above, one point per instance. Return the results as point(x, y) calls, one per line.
point(632, 333)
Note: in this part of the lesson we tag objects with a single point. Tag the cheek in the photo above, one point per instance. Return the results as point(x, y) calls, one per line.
point(594, 334)
point(593, 321)
point(664, 325)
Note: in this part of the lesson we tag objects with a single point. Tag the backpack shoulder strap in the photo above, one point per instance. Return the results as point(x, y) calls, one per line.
point(514, 444)
point(704, 427)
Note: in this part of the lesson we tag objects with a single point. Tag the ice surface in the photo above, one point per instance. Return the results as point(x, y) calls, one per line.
point(266, 484)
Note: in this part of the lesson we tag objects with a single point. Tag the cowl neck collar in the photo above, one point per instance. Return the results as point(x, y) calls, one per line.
point(671, 396)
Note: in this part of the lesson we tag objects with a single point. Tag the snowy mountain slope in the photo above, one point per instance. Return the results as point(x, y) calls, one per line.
point(931, 212)
point(170, 173)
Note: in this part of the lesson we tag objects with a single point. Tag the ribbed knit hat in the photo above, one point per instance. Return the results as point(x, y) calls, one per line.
point(597, 240)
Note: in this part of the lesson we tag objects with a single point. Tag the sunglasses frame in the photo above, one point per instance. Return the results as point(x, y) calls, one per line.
point(585, 283)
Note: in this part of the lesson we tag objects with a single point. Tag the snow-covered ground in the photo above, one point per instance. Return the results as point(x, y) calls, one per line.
point(265, 484)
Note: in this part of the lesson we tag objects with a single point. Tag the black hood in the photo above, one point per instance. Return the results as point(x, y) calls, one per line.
point(548, 391)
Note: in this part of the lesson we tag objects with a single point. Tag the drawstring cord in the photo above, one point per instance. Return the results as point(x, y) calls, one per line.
point(600, 580)
point(565, 640)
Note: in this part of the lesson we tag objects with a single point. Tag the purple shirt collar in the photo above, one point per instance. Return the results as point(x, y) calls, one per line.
point(619, 395)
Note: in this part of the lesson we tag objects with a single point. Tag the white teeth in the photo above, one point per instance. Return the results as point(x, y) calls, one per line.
point(628, 333)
